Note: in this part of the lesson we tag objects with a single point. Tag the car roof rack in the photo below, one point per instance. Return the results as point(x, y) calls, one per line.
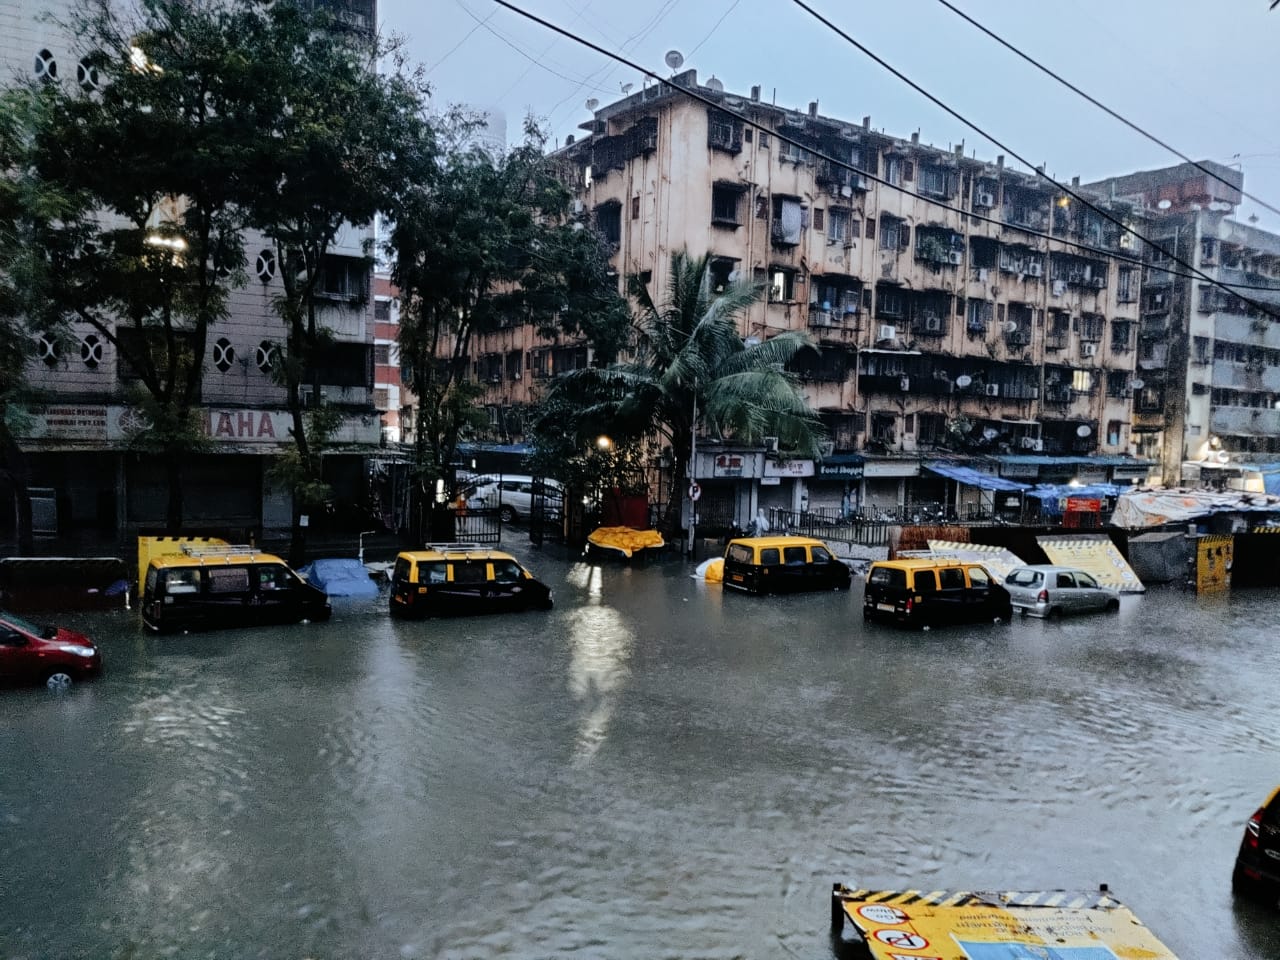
point(455, 546)
point(219, 549)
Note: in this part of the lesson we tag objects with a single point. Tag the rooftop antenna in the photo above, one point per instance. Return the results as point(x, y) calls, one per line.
point(626, 88)
point(674, 59)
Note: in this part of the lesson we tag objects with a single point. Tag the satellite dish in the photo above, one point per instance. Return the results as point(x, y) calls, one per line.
point(1137, 384)
point(990, 433)
point(963, 380)
point(674, 59)
point(592, 103)
point(1223, 456)
point(1083, 430)
point(1010, 326)
point(626, 88)
point(1164, 204)
point(846, 191)
point(714, 84)
point(733, 103)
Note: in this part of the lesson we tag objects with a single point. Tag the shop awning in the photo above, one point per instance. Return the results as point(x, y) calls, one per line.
point(973, 478)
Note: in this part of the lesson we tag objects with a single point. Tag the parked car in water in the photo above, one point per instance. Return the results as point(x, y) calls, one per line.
point(226, 585)
point(1045, 590)
point(50, 655)
point(782, 564)
point(513, 495)
point(446, 579)
point(1257, 869)
point(933, 592)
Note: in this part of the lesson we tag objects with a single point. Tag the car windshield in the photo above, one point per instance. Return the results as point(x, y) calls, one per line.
point(28, 627)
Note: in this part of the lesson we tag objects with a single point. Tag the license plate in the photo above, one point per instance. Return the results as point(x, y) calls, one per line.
point(885, 606)
point(737, 577)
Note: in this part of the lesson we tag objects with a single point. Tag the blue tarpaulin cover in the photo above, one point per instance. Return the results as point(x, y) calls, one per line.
point(1057, 491)
point(340, 577)
point(973, 478)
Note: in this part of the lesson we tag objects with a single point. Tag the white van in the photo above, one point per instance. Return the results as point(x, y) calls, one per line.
point(512, 495)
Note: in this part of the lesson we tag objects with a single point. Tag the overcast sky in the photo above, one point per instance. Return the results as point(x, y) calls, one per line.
point(1201, 76)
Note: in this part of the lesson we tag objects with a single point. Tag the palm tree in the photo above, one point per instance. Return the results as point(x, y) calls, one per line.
point(690, 368)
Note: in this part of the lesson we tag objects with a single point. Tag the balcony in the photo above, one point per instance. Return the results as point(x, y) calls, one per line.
point(1249, 421)
point(1246, 376)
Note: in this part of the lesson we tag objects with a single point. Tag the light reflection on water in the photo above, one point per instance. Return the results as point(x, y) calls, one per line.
point(652, 768)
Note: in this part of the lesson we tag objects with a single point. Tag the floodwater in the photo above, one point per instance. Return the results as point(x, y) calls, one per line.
point(653, 769)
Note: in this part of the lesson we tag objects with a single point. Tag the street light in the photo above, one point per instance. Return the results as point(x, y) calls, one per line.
point(603, 442)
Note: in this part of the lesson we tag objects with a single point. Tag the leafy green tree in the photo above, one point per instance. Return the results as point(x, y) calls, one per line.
point(489, 243)
point(690, 368)
point(347, 141)
point(161, 150)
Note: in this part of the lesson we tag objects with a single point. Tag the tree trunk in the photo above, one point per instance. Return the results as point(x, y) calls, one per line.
point(15, 462)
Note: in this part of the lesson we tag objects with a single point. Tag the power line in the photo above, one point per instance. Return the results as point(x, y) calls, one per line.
point(846, 165)
point(1103, 107)
point(714, 27)
point(1195, 272)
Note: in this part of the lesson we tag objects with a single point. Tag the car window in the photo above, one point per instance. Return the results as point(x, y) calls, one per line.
point(468, 571)
point(401, 573)
point(887, 577)
point(797, 556)
point(740, 553)
point(926, 581)
point(1084, 580)
point(1066, 580)
point(506, 571)
point(186, 580)
point(228, 579)
point(821, 554)
point(274, 576)
point(978, 577)
point(433, 571)
point(769, 557)
point(951, 578)
point(1024, 577)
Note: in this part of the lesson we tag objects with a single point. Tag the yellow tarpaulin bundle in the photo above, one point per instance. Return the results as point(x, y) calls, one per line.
point(625, 539)
point(1064, 925)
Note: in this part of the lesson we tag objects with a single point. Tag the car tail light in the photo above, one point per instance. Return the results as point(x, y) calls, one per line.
point(1252, 828)
point(909, 604)
point(1042, 596)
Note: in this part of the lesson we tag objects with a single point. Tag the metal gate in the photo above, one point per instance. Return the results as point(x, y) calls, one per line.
point(477, 525)
point(546, 513)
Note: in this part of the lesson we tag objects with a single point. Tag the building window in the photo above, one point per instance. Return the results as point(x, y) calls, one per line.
point(343, 278)
point(889, 303)
point(1113, 433)
point(382, 353)
point(782, 287)
point(47, 350)
point(91, 351)
point(980, 314)
point(381, 398)
point(1082, 381)
point(894, 234)
point(609, 222)
point(819, 222)
point(382, 310)
point(46, 66)
point(265, 265)
point(224, 354)
point(838, 223)
point(882, 427)
point(87, 76)
point(724, 206)
point(1092, 327)
point(265, 356)
point(635, 208)
point(723, 272)
point(788, 221)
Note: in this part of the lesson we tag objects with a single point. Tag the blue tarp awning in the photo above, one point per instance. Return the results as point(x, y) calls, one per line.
point(973, 478)
point(1056, 491)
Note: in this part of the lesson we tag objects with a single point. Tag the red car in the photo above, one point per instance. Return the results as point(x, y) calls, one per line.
point(49, 655)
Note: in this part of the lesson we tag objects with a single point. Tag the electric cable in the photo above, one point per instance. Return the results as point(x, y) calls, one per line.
point(846, 165)
point(1103, 107)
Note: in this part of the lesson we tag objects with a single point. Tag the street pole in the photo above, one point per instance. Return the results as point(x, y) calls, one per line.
point(693, 457)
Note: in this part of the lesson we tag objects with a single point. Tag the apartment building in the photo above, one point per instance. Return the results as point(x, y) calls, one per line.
point(962, 309)
point(1209, 354)
point(82, 468)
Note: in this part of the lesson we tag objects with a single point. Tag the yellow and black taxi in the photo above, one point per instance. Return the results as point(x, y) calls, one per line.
point(782, 564)
point(933, 592)
point(454, 579)
point(1257, 869)
point(210, 586)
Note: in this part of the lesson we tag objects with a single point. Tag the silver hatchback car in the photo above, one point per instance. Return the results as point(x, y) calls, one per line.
point(1044, 590)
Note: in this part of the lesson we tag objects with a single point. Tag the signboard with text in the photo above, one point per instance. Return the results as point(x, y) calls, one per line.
point(788, 468)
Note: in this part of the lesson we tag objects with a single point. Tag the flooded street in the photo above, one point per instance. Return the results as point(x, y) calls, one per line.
point(652, 769)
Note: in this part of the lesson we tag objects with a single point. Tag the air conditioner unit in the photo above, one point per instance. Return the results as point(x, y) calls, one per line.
point(933, 324)
point(955, 257)
point(904, 384)
point(1098, 282)
point(1035, 270)
point(1088, 349)
point(888, 331)
point(826, 448)
point(993, 390)
point(578, 206)
point(771, 444)
point(1059, 287)
point(1032, 443)
point(985, 200)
